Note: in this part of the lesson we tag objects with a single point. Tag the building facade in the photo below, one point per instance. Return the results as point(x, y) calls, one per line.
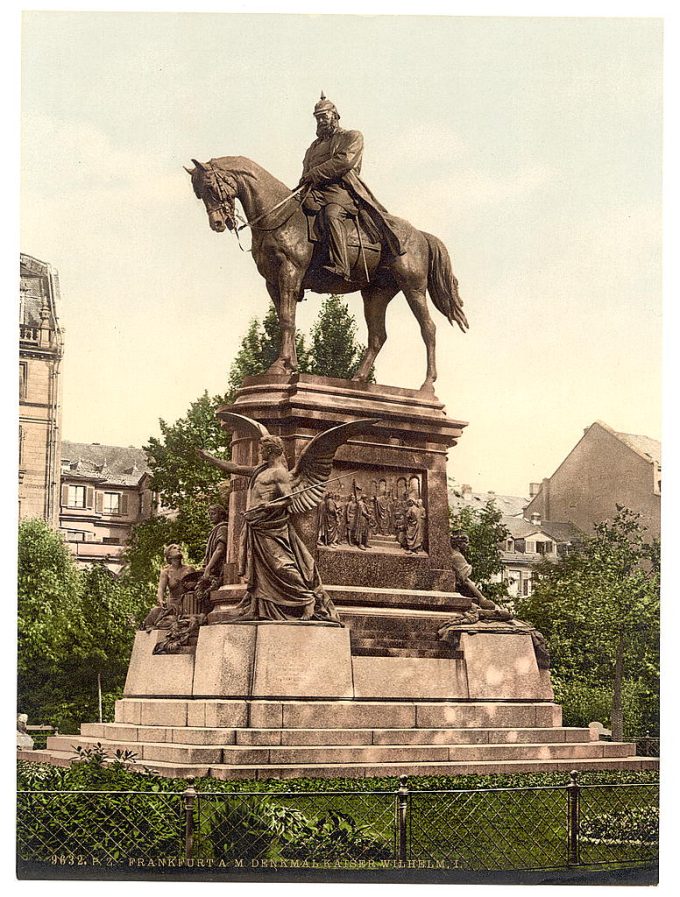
point(530, 540)
point(105, 490)
point(604, 470)
point(528, 543)
point(41, 351)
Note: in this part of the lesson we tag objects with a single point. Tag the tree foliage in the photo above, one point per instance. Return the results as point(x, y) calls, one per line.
point(486, 533)
point(599, 610)
point(259, 350)
point(334, 350)
point(178, 475)
point(73, 627)
point(48, 600)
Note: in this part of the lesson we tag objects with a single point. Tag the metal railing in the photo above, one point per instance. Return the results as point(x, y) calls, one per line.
point(519, 828)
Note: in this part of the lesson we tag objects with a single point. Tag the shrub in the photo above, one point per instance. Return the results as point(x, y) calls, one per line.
point(631, 826)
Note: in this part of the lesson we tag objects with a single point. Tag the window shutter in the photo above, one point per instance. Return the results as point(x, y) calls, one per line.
point(124, 504)
point(99, 499)
point(64, 496)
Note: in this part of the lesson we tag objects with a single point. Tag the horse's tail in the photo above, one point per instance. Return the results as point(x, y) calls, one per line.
point(442, 283)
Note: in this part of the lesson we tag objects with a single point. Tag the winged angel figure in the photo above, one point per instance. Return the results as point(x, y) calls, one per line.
point(281, 576)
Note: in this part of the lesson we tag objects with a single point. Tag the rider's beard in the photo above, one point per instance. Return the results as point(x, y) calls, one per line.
point(325, 128)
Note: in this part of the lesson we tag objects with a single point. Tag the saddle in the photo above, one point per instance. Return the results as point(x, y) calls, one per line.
point(360, 231)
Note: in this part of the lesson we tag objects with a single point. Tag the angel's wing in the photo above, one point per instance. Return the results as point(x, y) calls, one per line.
point(231, 421)
point(314, 465)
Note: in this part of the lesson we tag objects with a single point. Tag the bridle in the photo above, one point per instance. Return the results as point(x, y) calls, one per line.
point(221, 190)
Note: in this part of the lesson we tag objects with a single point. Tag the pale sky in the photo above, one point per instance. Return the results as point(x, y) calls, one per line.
point(530, 146)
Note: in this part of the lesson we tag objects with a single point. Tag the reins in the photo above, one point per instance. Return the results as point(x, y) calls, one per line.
point(228, 207)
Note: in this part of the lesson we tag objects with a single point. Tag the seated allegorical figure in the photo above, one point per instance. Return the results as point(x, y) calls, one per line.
point(174, 582)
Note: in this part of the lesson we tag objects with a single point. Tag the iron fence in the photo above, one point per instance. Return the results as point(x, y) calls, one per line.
point(519, 828)
point(648, 747)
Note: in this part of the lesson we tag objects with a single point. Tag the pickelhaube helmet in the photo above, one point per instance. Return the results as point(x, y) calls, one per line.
point(325, 105)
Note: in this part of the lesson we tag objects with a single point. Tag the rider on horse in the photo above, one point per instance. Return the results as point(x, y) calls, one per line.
point(330, 171)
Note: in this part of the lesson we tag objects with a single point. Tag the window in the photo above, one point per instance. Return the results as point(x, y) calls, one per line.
point(76, 496)
point(23, 379)
point(508, 545)
point(75, 535)
point(526, 586)
point(111, 540)
point(111, 503)
point(544, 547)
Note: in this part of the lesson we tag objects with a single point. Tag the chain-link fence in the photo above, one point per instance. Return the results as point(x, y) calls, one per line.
point(522, 828)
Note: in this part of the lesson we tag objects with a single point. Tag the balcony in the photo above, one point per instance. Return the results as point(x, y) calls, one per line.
point(29, 334)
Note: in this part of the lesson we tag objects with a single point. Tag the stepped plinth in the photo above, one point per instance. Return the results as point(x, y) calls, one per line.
point(381, 695)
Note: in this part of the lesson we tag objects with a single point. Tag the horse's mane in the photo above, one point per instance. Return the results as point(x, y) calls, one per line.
point(244, 167)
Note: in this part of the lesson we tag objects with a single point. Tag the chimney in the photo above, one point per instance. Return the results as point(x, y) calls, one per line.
point(534, 489)
point(535, 519)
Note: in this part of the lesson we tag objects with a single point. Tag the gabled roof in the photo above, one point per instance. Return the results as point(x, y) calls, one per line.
point(114, 464)
point(644, 445)
point(520, 528)
point(558, 532)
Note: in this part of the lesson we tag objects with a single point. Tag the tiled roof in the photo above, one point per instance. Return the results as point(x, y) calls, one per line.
point(562, 532)
point(520, 528)
point(643, 445)
point(509, 505)
point(558, 532)
point(108, 463)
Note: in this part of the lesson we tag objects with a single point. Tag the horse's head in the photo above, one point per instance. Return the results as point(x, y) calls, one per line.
point(217, 189)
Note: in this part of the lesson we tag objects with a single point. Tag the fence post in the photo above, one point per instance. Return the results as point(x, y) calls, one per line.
point(573, 818)
point(402, 815)
point(189, 799)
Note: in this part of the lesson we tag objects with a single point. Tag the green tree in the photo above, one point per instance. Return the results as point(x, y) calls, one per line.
point(111, 610)
point(259, 349)
point(334, 350)
point(49, 614)
point(73, 625)
point(178, 474)
point(486, 533)
point(188, 488)
point(599, 610)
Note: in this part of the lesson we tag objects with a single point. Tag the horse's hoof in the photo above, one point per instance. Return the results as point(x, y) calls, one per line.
point(428, 387)
point(279, 369)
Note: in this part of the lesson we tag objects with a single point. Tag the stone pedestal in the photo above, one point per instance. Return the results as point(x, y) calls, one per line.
point(384, 594)
point(407, 448)
point(312, 662)
point(383, 695)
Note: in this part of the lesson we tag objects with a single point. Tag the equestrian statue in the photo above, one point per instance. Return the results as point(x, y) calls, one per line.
point(331, 235)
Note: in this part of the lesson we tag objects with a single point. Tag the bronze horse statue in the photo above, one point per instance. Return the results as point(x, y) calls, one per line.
point(291, 262)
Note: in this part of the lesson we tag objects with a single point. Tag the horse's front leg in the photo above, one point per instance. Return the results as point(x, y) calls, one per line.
point(290, 281)
point(376, 300)
point(278, 367)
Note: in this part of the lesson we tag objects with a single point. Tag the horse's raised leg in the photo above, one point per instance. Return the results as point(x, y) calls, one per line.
point(376, 300)
point(417, 301)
